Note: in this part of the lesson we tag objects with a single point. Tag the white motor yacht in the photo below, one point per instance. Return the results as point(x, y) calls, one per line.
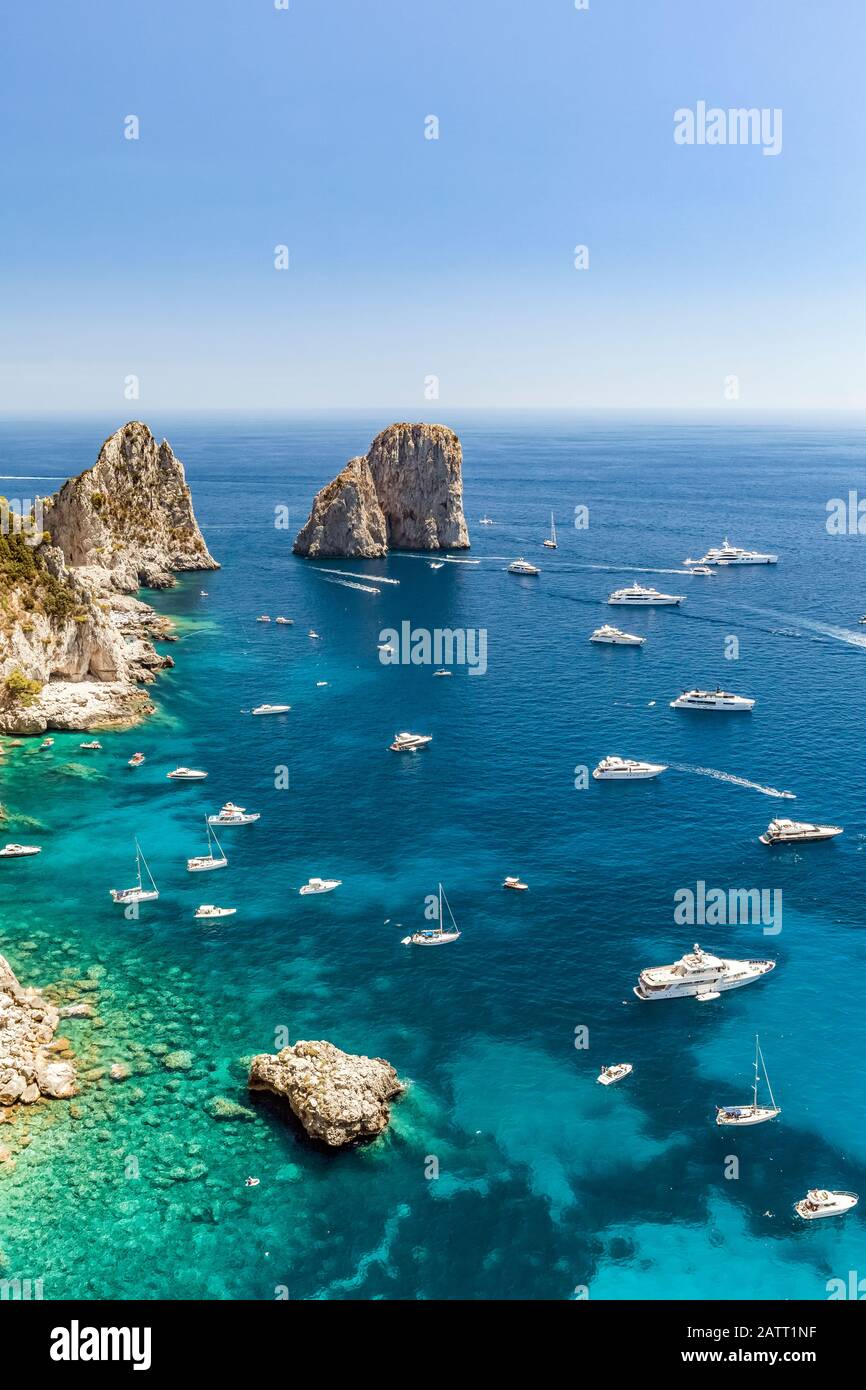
point(699, 975)
point(285, 622)
point(819, 1201)
point(712, 699)
point(727, 554)
point(522, 566)
point(626, 769)
point(616, 636)
point(443, 672)
point(186, 774)
point(138, 894)
point(234, 815)
point(200, 863)
point(409, 743)
point(320, 885)
point(640, 597)
point(94, 746)
point(313, 634)
point(271, 709)
point(794, 832)
point(208, 910)
point(438, 935)
point(608, 1076)
point(515, 883)
point(263, 618)
point(753, 1114)
point(19, 851)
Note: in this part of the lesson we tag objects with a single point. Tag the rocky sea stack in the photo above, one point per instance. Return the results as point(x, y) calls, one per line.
point(338, 1098)
point(405, 494)
point(28, 1022)
point(74, 640)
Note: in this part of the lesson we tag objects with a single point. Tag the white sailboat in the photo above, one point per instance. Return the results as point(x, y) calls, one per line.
point(551, 540)
point(138, 894)
point(753, 1114)
point(435, 936)
point(202, 862)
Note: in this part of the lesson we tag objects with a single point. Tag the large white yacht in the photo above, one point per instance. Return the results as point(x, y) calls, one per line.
point(186, 774)
point(234, 815)
point(271, 709)
point(700, 975)
point(727, 554)
point(409, 743)
point(820, 1202)
point(626, 769)
point(522, 566)
point(793, 832)
point(19, 851)
point(712, 699)
point(639, 597)
point(615, 635)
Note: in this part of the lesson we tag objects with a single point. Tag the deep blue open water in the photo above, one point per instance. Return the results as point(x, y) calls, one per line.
point(547, 1182)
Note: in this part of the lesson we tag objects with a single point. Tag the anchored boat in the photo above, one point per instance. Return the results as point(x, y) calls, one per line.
point(435, 936)
point(753, 1114)
point(138, 894)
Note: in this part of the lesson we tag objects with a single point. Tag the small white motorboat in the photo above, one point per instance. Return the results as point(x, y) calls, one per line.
point(136, 760)
point(443, 672)
point(753, 1114)
point(94, 746)
point(263, 618)
point(19, 851)
point(409, 743)
point(311, 633)
point(701, 569)
point(200, 863)
point(47, 743)
point(437, 564)
point(202, 593)
point(320, 885)
point(234, 815)
point(271, 709)
point(486, 521)
point(608, 1076)
point(285, 622)
point(208, 910)
point(186, 774)
point(138, 894)
point(434, 936)
point(515, 883)
point(522, 566)
point(820, 1201)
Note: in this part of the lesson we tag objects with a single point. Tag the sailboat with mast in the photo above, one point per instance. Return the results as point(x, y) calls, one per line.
point(138, 894)
point(201, 862)
point(753, 1114)
point(438, 935)
point(550, 543)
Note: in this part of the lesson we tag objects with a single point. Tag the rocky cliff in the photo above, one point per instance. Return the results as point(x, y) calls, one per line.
point(406, 493)
point(74, 641)
point(28, 1023)
point(338, 1098)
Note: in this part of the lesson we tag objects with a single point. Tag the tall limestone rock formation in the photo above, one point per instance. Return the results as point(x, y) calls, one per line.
point(406, 494)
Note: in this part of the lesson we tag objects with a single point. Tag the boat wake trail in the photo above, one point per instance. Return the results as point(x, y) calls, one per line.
point(347, 584)
point(350, 574)
point(841, 634)
point(737, 781)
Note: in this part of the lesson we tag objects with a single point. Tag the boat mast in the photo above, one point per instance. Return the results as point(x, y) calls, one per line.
point(138, 861)
point(767, 1078)
point(441, 928)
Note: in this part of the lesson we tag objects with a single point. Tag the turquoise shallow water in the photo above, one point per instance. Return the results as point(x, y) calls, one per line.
point(546, 1181)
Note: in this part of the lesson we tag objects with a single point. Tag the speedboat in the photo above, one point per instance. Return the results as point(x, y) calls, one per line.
point(608, 1076)
point(443, 672)
point(626, 769)
point(320, 885)
point(515, 883)
point(787, 832)
point(699, 975)
point(616, 636)
point(263, 618)
point(200, 863)
point(234, 815)
point(640, 597)
point(434, 936)
point(486, 521)
point(700, 569)
point(138, 894)
point(186, 774)
point(753, 1114)
point(19, 851)
point(208, 910)
point(93, 746)
point(712, 699)
point(409, 743)
point(437, 564)
point(550, 541)
point(819, 1201)
point(271, 709)
point(136, 760)
point(47, 743)
point(727, 554)
point(202, 593)
point(522, 566)
point(311, 633)
point(285, 622)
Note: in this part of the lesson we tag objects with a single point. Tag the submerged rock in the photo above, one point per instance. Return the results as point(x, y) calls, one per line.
point(405, 494)
point(338, 1098)
point(29, 1067)
point(221, 1108)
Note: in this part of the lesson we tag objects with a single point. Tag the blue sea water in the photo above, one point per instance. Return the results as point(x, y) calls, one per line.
point(547, 1182)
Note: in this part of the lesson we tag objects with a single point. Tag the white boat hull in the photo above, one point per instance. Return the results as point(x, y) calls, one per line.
point(749, 1115)
point(825, 832)
point(619, 641)
point(615, 1074)
point(134, 895)
point(844, 1202)
point(234, 820)
point(440, 939)
point(739, 973)
point(739, 705)
point(630, 775)
point(202, 866)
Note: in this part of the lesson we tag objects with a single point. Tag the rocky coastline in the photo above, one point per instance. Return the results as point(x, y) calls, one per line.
point(339, 1099)
point(29, 1069)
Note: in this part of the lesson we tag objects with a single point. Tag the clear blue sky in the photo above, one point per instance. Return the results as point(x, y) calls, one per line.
point(412, 257)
